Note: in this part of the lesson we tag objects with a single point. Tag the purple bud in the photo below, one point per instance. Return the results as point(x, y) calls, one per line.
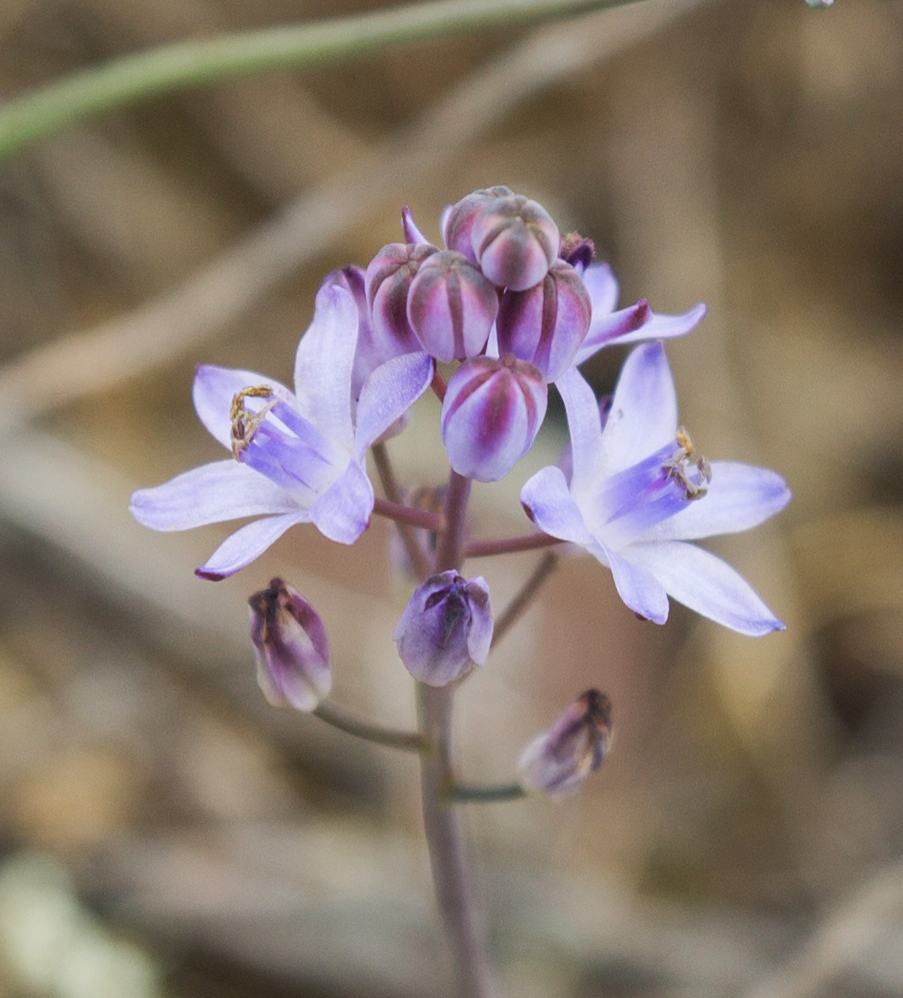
point(546, 324)
point(457, 222)
point(451, 307)
point(388, 279)
point(515, 242)
point(492, 411)
point(446, 628)
point(557, 762)
point(291, 648)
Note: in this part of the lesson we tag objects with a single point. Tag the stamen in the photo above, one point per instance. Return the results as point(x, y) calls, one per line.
point(677, 467)
point(245, 424)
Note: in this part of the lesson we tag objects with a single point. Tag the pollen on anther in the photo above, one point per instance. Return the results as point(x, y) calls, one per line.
point(244, 423)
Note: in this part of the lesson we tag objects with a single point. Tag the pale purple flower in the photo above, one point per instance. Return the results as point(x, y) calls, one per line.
point(291, 648)
point(446, 628)
point(297, 458)
point(638, 492)
point(559, 761)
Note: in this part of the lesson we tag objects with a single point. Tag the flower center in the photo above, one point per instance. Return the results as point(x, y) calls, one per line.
point(678, 468)
point(245, 423)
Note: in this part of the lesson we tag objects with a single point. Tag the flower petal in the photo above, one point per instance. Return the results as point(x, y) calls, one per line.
point(212, 493)
point(247, 544)
point(664, 327)
point(213, 391)
point(643, 414)
point(388, 393)
point(640, 589)
point(549, 505)
point(585, 429)
point(602, 287)
point(343, 512)
point(324, 362)
point(740, 496)
point(707, 585)
point(634, 324)
point(411, 233)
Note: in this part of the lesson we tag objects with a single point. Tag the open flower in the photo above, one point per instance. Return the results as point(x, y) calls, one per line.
point(297, 458)
point(639, 491)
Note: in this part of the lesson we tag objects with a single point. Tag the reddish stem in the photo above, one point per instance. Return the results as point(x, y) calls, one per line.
point(509, 545)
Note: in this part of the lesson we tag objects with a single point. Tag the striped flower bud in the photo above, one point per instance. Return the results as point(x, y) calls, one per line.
point(446, 628)
point(491, 414)
point(451, 307)
point(388, 280)
point(514, 241)
point(291, 648)
point(457, 222)
point(558, 762)
point(546, 324)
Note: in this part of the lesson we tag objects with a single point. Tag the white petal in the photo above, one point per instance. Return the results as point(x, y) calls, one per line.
point(343, 512)
point(740, 496)
point(247, 544)
point(324, 362)
point(640, 589)
point(212, 493)
point(643, 414)
point(707, 585)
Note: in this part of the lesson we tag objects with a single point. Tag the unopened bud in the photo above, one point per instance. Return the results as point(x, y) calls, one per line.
point(291, 648)
point(451, 307)
point(558, 762)
point(491, 414)
point(515, 242)
point(446, 628)
point(546, 324)
point(457, 222)
point(388, 280)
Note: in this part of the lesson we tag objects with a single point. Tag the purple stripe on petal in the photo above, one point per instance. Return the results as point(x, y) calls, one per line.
point(213, 391)
point(740, 496)
point(247, 544)
point(643, 414)
point(212, 493)
point(707, 585)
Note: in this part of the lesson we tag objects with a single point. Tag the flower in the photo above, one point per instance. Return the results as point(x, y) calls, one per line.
point(560, 760)
point(446, 628)
point(638, 492)
point(291, 648)
point(298, 458)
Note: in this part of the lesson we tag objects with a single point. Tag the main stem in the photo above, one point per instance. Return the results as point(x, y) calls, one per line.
point(449, 854)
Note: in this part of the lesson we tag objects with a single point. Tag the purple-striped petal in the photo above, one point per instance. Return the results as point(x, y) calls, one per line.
point(324, 362)
point(247, 544)
point(633, 325)
point(707, 585)
point(213, 391)
point(739, 497)
point(643, 416)
point(212, 493)
point(343, 512)
point(388, 394)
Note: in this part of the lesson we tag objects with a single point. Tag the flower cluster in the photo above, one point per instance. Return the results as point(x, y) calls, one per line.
point(515, 307)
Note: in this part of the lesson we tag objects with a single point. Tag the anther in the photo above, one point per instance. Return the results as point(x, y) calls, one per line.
point(677, 467)
point(244, 423)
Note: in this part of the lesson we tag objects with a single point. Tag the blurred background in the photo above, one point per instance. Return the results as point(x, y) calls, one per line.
point(163, 832)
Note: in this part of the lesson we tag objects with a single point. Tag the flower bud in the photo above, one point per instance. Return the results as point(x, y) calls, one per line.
point(457, 222)
point(514, 241)
point(291, 648)
point(557, 762)
point(388, 280)
point(451, 307)
point(546, 324)
point(446, 628)
point(491, 414)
